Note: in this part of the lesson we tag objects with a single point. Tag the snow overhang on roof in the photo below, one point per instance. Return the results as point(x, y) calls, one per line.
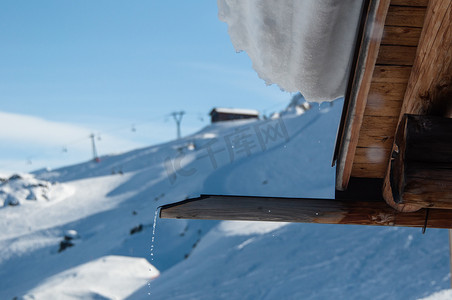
point(302, 46)
point(236, 111)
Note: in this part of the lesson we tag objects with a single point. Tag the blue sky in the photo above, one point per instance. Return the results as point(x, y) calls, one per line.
point(71, 68)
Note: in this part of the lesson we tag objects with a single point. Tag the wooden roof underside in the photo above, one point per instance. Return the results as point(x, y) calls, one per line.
point(403, 53)
point(394, 53)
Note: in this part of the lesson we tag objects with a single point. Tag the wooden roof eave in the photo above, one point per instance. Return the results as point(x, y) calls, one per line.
point(425, 115)
point(358, 89)
point(359, 205)
point(362, 202)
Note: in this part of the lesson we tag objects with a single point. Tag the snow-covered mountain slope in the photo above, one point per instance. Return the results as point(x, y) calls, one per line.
point(87, 238)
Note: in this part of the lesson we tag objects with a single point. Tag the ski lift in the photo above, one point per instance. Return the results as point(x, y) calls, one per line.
point(133, 129)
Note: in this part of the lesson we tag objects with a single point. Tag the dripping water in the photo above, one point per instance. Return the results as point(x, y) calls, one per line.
point(154, 224)
point(151, 252)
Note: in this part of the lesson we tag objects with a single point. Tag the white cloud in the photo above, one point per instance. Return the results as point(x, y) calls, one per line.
point(27, 137)
point(24, 128)
point(29, 143)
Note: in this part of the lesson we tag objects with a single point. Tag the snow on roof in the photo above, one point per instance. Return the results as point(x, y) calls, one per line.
point(237, 111)
point(302, 46)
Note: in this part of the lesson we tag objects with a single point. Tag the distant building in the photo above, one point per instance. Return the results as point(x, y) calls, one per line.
point(228, 114)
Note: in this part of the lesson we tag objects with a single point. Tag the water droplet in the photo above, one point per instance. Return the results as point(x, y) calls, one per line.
point(151, 252)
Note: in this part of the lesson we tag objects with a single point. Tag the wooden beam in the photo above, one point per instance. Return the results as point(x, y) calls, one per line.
point(410, 2)
point(396, 55)
point(405, 16)
point(432, 69)
point(429, 88)
point(421, 167)
point(391, 74)
point(321, 211)
point(402, 36)
point(352, 119)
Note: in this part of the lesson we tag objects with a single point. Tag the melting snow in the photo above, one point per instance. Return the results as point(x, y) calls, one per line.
point(302, 46)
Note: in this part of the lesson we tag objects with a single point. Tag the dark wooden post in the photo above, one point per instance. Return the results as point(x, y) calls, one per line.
point(420, 172)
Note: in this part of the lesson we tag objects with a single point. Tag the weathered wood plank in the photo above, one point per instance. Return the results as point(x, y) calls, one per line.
point(368, 170)
point(421, 169)
point(391, 74)
point(405, 16)
point(373, 148)
point(385, 99)
point(402, 36)
point(369, 49)
point(379, 126)
point(371, 155)
point(396, 55)
point(388, 90)
point(378, 106)
point(371, 162)
point(322, 211)
point(377, 132)
point(433, 66)
point(422, 3)
point(374, 143)
point(378, 139)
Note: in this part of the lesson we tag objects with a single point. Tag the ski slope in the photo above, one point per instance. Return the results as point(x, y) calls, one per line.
point(90, 236)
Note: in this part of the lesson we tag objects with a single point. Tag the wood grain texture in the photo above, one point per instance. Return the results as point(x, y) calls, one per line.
point(422, 3)
point(385, 99)
point(433, 65)
point(360, 88)
point(374, 146)
point(391, 74)
point(396, 55)
point(431, 76)
point(386, 90)
point(371, 162)
point(421, 169)
point(322, 211)
point(368, 170)
point(401, 36)
point(389, 82)
point(379, 126)
point(371, 154)
point(408, 16)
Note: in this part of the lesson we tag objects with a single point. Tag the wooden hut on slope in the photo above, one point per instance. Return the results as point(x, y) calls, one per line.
point(219, 114)
point(394, 146)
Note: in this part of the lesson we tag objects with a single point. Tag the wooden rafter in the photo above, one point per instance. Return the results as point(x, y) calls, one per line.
point(352, 118)
point(361, 204)
point(321, 211)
